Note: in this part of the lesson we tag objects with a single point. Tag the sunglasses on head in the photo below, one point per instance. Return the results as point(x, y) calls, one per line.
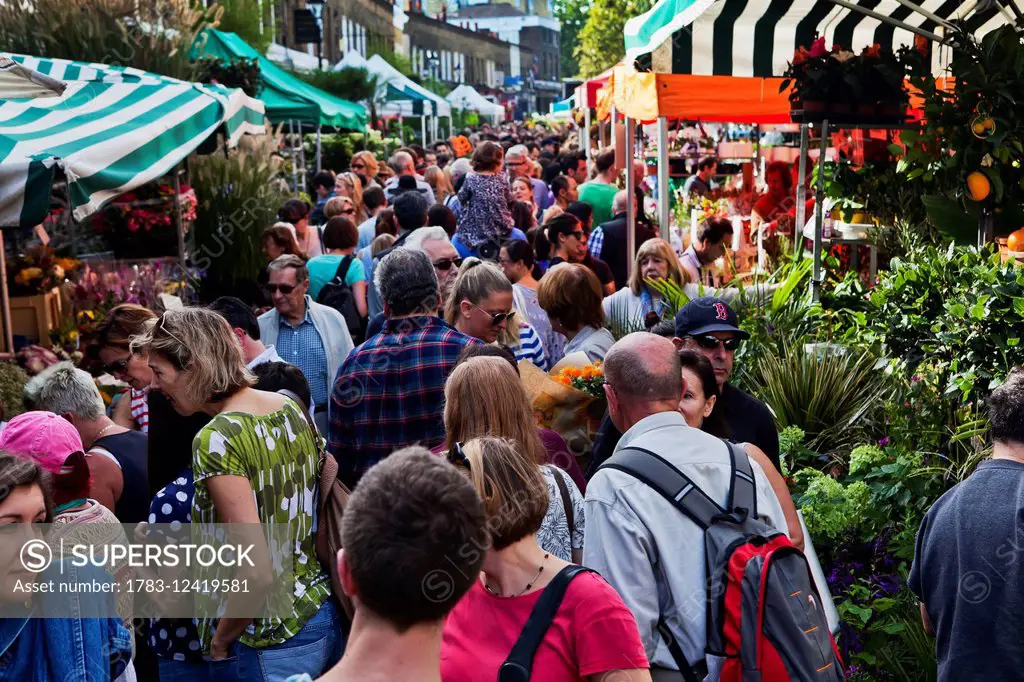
point(457, 457)
point(283, 288)
point(496, 318)
point(712, 342)
point(446, 264)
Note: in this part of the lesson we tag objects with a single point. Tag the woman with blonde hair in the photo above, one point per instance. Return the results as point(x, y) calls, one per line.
point(365, 164)
point(349, 185)
point(480, 306)
point(593, 635)
point(340, 206)
point(254, 463)
point(485, 397)
point(440, 183)
point(638, 301)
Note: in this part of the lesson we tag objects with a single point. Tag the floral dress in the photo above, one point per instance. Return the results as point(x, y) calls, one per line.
point(485, 215)
point(554, 534)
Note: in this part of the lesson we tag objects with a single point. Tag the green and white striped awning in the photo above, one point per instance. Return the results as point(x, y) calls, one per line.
point(111, 131)
point(758, 37)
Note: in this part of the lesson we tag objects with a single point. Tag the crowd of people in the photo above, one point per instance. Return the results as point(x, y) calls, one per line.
point(387, 337)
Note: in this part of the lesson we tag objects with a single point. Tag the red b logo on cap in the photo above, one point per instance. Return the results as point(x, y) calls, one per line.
point(723, 312)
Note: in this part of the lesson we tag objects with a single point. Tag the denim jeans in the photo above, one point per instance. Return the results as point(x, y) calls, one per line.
point(314, 650)
point(180, 671)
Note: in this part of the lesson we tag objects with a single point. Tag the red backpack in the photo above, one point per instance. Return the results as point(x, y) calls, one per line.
point(764, 614)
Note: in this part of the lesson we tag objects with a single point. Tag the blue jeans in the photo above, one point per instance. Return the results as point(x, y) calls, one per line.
point(314, 650)
point(180, 671)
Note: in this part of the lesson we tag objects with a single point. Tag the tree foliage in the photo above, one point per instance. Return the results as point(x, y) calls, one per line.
point(355, 84)
point(572, 14)
point(243, 17)
point(154, 36)
point(601, 42)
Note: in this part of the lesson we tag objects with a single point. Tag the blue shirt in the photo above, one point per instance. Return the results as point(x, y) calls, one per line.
point(323, 268)
point(367, 232)
point(303, 347)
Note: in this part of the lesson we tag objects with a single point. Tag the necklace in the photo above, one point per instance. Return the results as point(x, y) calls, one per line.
point(103, 430)
point(528, 585)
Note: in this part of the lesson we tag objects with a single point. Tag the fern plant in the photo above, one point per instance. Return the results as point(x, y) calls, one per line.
point(621, 322)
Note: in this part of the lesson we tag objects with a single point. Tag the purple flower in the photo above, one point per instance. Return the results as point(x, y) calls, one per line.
point(884, 442)
point(916, 377)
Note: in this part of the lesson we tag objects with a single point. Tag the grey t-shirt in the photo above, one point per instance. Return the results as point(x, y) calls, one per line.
point(969, 572)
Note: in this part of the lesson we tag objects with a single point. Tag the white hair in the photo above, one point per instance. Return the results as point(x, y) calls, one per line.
point(518, 150)
point(461, 167)
point(417, 238)
point(69, 390)
point(619, 201)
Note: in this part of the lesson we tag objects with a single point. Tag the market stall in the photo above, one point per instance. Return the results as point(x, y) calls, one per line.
point(465, 97)
point(110, 131)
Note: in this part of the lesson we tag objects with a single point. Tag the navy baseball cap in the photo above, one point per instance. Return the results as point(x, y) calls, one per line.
point(705, 315)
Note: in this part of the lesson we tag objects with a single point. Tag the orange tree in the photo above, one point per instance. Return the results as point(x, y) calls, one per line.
point(968, 153)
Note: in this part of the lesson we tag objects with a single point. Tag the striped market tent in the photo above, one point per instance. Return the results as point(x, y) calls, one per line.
point(756, 38)
point(112, 130)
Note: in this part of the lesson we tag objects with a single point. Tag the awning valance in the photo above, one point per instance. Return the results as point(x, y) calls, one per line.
point(756, 38)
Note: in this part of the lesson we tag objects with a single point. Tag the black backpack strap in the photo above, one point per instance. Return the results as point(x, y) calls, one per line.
point(342, 272)
point(670, 482)
point(742, 490)
point(685, 669)
point(519, 664)
point(563, 491)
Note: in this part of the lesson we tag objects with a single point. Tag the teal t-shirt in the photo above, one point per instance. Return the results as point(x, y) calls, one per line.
point(323, 268)
point(600, 197)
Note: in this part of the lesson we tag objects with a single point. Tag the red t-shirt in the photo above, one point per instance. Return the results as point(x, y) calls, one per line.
point(593, 632)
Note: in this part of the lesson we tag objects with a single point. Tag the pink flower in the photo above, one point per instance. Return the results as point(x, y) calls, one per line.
point(818, 48)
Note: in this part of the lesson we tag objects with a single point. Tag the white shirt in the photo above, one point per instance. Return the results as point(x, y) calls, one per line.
point(647, 549)
point(268, 355)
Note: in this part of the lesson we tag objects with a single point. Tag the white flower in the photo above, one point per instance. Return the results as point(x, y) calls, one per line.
point(987, 161)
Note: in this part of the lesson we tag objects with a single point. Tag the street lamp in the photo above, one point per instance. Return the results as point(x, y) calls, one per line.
point(317, 7)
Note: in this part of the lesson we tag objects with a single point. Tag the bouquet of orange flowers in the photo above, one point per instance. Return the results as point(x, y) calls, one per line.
point(588, 379)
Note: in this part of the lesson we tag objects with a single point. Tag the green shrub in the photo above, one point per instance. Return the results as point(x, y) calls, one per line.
point(12, 385)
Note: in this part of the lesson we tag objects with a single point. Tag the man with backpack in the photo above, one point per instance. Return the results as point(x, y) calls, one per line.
point(645, 508)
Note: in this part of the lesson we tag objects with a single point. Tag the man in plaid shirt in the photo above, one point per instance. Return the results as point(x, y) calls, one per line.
point(389, 392)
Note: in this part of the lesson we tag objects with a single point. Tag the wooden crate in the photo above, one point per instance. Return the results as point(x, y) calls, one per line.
point(34, 316)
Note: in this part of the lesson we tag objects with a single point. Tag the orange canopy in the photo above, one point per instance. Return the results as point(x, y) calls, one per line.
point(647, 96)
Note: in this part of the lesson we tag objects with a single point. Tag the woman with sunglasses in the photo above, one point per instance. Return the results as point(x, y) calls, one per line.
point(255, 462)
point(571, 296)
point(480, 305)
point(39, 649)
point(638, 302)
point(700, 394)
point(365, 164)
point(593, 635)
point(113, 349)
point(349, 185)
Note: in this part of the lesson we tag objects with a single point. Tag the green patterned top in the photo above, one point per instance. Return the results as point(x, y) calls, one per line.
point(277, 454)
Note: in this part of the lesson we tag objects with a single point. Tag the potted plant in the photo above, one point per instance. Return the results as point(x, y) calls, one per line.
point(811, 75)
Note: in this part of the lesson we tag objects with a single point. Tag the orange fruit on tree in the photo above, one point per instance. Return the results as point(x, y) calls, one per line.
point(1015, 242)
point(978, 128)
point(978, 186)
point(989, 125)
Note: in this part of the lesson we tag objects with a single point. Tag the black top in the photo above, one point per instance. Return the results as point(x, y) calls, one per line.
point(749, 421)
point(170, 440)
point(968, 573)
point(130, 449)
point(613, 248)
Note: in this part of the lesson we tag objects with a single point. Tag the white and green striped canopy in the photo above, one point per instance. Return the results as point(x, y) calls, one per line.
point(758, 37)
point(112, 130)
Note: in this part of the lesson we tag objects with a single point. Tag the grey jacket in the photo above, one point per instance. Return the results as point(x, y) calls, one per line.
point(647, 550)
point(328, 322)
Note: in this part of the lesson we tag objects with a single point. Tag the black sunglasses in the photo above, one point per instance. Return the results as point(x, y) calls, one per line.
point(446, 264)
point(712, 342)
point(283, 288)
point(579, 234)
point(117, 366)
point(496, 318)
point(457, 457)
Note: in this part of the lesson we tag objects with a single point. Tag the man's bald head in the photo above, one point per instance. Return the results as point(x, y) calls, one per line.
point(644, 368)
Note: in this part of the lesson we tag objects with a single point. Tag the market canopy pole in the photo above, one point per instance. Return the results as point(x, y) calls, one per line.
point(663, 180)
point(6, 297)
point(586, 137)
point(819, 216)
point(885, 19)
point(319, 160)
point(630, 199)
point(801, 194)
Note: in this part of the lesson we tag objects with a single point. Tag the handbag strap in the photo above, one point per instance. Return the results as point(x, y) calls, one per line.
point(563, 491)
point(519, 664)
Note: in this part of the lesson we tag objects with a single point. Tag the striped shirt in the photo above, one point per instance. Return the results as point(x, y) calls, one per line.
point(139, 407)
point(303, 347)
point(530, 347)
